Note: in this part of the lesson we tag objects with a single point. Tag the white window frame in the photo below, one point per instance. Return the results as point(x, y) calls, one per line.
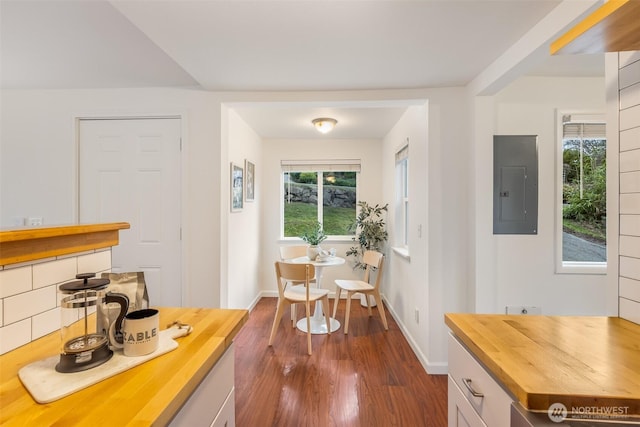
point(402, 196)
point(319, 167)
point(571, 267)
point(401, 201)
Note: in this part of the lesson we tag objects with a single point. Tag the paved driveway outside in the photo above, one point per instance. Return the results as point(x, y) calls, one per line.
point(577, 249)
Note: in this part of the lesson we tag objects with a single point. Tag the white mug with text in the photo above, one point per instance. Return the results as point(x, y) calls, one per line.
point(140, 332)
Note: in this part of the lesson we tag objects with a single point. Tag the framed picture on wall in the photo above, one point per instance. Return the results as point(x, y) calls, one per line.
point(250, 170)
point(237, 186)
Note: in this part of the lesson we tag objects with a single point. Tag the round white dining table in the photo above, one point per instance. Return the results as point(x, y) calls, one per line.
point(318, 324)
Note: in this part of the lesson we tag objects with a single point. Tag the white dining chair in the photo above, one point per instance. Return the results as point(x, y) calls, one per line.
point(287, 273)
point(287, 253)
point(372, 259)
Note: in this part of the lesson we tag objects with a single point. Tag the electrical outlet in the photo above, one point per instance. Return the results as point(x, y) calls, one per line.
point(523, 309)
point(417, 314)
point(35, 220)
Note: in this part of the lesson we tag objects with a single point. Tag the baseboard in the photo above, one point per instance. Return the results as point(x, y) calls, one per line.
point(440, 368)
point(258, 297)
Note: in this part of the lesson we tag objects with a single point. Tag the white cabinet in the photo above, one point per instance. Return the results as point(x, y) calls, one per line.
point(461, 413)
point(475, 398)
point(212, 404)
point(227, 415)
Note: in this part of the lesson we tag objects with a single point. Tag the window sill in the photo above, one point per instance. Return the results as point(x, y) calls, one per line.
point(568, 267)
point(402, 252)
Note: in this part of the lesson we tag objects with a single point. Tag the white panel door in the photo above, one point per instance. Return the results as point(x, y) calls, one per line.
point(130, 171)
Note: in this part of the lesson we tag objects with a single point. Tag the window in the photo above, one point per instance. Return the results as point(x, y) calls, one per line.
point(402, 197)
point(324, 191)
point(582, 199)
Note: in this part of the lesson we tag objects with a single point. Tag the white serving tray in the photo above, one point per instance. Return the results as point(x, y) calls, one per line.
point(47, 385)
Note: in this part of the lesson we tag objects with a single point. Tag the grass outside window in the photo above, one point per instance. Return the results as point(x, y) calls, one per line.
point(302, 216)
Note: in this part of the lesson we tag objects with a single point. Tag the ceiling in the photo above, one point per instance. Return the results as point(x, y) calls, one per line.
point(269, 45)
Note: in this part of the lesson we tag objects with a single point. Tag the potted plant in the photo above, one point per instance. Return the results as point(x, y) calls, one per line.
point(314, 237)
point(370, 233)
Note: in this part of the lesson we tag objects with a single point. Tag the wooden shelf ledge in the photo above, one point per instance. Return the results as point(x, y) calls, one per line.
point(29, 244)
point(613, 27)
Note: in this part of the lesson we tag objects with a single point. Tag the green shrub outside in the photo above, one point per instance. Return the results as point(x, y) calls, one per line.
point(586, 215)
point(592, 206)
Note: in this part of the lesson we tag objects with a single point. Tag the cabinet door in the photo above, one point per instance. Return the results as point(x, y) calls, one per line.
point(483, 393)
point(461, 414)
point(227, 415)
point(209, 399)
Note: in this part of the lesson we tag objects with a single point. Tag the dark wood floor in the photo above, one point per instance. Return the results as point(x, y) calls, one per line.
point(366, 378)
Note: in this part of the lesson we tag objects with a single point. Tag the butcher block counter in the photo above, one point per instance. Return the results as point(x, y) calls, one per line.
point(148, 394)
point(580, 362)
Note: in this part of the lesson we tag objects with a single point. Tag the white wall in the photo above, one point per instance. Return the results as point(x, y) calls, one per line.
point(243, 228)
point(520, 269)
point(38, 164)
point(434, 280)
point(407, 286)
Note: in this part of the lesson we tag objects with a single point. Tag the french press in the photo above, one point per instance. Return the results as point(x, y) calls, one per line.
point(83, 345)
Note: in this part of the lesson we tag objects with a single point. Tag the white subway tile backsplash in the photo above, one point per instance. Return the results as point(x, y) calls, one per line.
point(14, 281)
point(45, 323)
point(630, 139)
point(30, 263)
point(95, 262)
point(14, 335)
point(29, 295)
point(28, 304)
point(57, 271)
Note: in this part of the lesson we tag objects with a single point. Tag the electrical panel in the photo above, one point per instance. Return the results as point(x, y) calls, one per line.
point(515, 184)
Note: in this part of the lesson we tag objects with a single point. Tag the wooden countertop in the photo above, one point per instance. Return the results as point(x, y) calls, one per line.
point(577, 361)
point(149, 394)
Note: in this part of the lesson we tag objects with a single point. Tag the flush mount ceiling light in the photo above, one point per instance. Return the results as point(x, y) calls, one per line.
point(324, 124)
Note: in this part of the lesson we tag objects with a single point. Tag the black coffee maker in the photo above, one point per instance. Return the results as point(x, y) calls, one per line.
point(83, 345)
